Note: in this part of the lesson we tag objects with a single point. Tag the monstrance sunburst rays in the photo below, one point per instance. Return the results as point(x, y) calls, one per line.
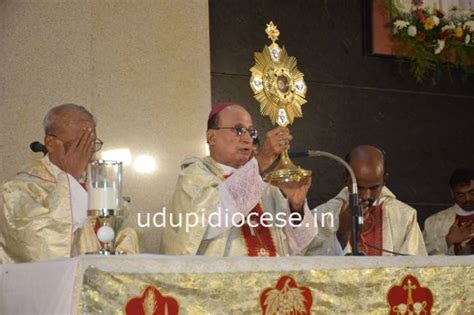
point(280, 89)
point(277, 83)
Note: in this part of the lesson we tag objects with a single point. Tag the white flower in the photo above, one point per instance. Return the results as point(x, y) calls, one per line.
point(467, 39)
point(470, 25)
point(435, 20)
point(449, 26)
point(466, 14)
point(411, 30)
point(400, 24)
point(440, 47)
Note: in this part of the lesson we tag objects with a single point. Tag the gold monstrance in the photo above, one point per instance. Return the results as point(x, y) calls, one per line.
point(280, 89)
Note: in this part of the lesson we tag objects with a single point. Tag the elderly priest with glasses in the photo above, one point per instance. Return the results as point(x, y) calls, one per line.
point(230, 210)
point(44, 207)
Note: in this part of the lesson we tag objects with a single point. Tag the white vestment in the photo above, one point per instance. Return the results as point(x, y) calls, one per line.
point(401, 232)
point(437, 227)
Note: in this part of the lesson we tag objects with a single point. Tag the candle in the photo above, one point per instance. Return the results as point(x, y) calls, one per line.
point(103, 198)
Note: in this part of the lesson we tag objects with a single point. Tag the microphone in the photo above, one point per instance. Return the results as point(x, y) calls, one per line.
point(354, 208)
point(295, 155)
point(37, 146)
point(314, 153)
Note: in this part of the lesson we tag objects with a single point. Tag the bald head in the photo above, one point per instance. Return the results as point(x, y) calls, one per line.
point(368, 163)
point(229, 108)
point(233, 110)
point(61, 117)
point(64, 126)
point(367, 158)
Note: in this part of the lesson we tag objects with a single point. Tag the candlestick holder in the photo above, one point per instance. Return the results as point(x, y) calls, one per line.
point(104, 186)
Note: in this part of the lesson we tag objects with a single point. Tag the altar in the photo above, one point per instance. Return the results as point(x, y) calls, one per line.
point(155, 284)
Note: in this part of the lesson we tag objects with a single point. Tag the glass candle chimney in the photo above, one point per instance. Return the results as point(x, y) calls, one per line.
point(104, 185)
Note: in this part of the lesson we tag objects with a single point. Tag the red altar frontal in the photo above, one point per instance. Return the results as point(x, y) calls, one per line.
point(153, 284)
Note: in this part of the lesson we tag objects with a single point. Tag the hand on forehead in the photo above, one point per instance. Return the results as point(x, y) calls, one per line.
point(72, 128)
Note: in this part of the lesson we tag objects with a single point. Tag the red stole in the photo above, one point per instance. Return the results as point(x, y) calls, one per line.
point(458, 248)
point(372, 232)
point(258, 240)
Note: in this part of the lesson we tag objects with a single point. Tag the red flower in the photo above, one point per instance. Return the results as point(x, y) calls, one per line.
point(439, 14)
point(442, 35)
point(420, 15)
point(421, 37)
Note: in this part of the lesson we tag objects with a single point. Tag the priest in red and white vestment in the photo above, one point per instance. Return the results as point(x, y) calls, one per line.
point(229, 182)
point(451, 231)
point(390, 226)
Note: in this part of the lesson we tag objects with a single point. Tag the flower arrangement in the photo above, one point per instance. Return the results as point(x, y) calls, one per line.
point(432, 40)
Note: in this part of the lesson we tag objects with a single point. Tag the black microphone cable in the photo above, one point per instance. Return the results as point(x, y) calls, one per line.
point(385, 250)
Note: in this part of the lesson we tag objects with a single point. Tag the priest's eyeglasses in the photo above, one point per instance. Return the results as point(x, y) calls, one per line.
point(97, 143)
point(240, 131)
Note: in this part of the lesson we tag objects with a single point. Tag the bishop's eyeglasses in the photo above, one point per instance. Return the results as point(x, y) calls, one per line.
point(240, 131)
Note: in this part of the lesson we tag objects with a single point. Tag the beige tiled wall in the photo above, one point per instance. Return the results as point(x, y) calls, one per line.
point(142, 67)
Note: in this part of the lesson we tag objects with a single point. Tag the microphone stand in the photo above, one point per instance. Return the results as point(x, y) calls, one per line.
point(355, 210)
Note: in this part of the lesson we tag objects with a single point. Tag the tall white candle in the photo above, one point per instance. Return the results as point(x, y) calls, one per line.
point(103, 198)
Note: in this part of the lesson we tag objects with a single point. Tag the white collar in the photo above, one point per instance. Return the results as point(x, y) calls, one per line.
point(460, 211)
point(56, 170)
point(227, 169)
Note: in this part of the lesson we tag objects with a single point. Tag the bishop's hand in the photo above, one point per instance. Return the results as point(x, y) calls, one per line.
point(276, 141)
point(296, 193)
